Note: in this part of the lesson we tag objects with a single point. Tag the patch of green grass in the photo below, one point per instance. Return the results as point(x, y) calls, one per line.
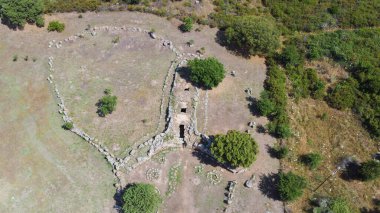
point(175, 178)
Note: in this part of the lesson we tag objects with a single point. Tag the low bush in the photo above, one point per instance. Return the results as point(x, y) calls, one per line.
point(342, 96)
point(187, 25)
point(68, 125)
point(40, 21)
point(290, 186)
point(281, 152)
point(274, 100)
point(311, 160)
point(132, 1)
point(56, 26)
point(81, 6)
point(207, 73)
point(318, 15)
point(107, 104)
point(369, 170)
point(334, 205)
point(141, 197)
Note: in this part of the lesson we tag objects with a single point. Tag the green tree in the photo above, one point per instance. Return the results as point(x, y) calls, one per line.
point(207, 72)
point(290, 186)
point(370, 170)
point(56, 26)
point(16, 13)
point(236, 148)
point(187, 25)
point(253, 35)
point(141, 197)
point(106, 105)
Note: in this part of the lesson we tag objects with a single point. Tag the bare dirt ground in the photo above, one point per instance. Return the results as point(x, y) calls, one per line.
point(195, 193)
point(42, 167)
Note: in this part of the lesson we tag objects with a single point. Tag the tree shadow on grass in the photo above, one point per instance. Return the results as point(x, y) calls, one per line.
point(268, 186)
point(350, 169)
point(252, 105)
point(184, 72)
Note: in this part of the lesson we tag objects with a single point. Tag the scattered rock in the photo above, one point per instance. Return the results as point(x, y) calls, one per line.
point(249, 183)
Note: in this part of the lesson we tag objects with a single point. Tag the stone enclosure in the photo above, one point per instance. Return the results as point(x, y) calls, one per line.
point(158, 112)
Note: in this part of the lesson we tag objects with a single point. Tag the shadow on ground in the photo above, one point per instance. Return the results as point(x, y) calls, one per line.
point(268, 185)
point(220, 38)
point(205, 159)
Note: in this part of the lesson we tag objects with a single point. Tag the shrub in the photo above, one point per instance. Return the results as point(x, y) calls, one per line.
point(290, 56)
point(325, 205)
point(305, 83)
point(116, 40)
point(15, 58)
point(132, 1)
point(275, 87)
point(317, 15)
point(16, 13)
point(187, 25)
point(342, 96)
point(108, 91)
point(141, 197)
point(71, 5)
point(56, 26)
point(68, 125)
point(40, 21)
point(312, 160)
point(236, 148)
point(279, 125)
point(265, 105)
point(290, 186)
point(253, 35)
point(281, 151)
point(106, 105)
point(207, 72)
point(370, 170)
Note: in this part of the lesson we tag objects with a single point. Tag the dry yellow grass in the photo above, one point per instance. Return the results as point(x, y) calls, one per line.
point(337, 136)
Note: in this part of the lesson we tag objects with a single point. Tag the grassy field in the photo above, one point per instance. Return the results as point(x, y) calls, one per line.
point(134, 69)
point(338, 135)
point(42, 167)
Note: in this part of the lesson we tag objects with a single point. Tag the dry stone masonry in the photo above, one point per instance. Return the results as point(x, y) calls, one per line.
point(156, 143)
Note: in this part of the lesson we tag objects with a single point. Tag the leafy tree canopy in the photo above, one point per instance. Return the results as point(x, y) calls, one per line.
point(236, 148)
point(253, 35)
point(16, 13)
point(207, 72)
point(290, 186)
point(141, 197)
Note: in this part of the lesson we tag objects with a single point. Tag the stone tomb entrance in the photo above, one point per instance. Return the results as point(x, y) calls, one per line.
point(182, 131)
